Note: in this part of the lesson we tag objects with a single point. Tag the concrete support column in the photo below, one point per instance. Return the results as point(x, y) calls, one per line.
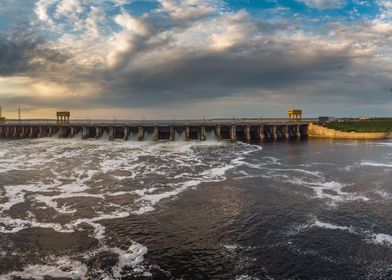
point(111, 133)
point(71, 132)
point(218, 132)
point(260, 133)
point(304, 132)
point(274, 134)
point(233, 133)
point(298, 131)
point(202, 133)
point(187, 133)
point(155, 135)
point(61, 132)
point(126, 133)
point(286, 132)
point(15, 133)
point(140, 133)
point(85, 132)
point(98, 132)
point(248, 136)
point(31, 133)
point(50, 131)
point(25, 132)
point(8, 132)
point(41, 132)
point(171, 133)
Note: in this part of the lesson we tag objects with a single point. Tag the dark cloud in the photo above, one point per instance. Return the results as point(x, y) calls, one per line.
point(24, 54)
point(217, 74)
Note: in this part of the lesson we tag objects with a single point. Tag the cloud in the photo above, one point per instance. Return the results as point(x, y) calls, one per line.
point(131, 23)
point(41, 10)
point(98, 55)
point(23, 53)
point(189, 9)
point(325, 4)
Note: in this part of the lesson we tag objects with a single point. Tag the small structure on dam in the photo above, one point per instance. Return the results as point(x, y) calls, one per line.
point(63, 117)
point(295, 114)
point(246, 130)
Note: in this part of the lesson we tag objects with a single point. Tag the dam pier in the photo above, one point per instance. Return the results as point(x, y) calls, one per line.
point(195, 130)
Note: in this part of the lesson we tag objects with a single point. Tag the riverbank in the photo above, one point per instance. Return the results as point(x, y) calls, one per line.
point(319, 131)
point(368, 126)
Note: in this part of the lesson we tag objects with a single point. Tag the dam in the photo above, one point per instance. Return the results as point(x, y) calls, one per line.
point(246, 130)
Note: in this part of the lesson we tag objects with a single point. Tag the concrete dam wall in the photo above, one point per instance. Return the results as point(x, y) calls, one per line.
point(234, 131)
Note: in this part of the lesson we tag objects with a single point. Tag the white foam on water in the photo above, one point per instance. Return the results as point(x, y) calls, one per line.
point(376, 164)
point(180, 164)
point(298, 170)
point(149, 200)
point(104, 136)
point(148, 136)
point(384, 194)
point(367, 235)
point(132, 257)
point(382, 239)
point(133, 136)
point(210, 135)
point(272, 160)
point(63, 268)
point(332, 191)
point(320, 224)
point(376, 143)
point(179, 136)
point(246, 277)
point(8, 225)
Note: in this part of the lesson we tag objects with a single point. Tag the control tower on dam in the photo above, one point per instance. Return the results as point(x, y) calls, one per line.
point(247, 130)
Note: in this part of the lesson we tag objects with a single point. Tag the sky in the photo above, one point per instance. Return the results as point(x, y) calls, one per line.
point(183, 59)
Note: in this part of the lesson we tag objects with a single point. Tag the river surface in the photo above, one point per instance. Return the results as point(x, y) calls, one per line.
point(95, 209)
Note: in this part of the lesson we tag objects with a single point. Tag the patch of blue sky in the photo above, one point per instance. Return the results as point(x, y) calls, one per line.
point(288, 9)
point(138, 8)
point(15, 13)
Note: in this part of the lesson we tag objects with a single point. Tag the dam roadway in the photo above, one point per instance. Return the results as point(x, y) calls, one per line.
point(247, 130)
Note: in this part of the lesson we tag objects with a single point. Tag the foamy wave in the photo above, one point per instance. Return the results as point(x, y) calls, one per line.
point(63, 268)
point(246, 277)
point(381, 238)
point(366, 235)
point(376, 164)
point(86, 182)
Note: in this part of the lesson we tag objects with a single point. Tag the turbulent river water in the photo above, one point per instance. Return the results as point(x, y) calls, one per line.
point(95, 209)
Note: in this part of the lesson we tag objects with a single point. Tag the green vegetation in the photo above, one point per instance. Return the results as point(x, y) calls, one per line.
point(375, 125)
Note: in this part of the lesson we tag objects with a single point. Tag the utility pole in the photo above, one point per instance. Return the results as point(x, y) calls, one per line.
point(2, 119)
point(19, 118)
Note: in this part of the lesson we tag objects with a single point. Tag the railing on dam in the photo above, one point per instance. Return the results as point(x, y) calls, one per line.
point(246, 130)
point(119, 122)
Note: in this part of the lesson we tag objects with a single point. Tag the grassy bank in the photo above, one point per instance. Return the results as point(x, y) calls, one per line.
point(384, 125)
